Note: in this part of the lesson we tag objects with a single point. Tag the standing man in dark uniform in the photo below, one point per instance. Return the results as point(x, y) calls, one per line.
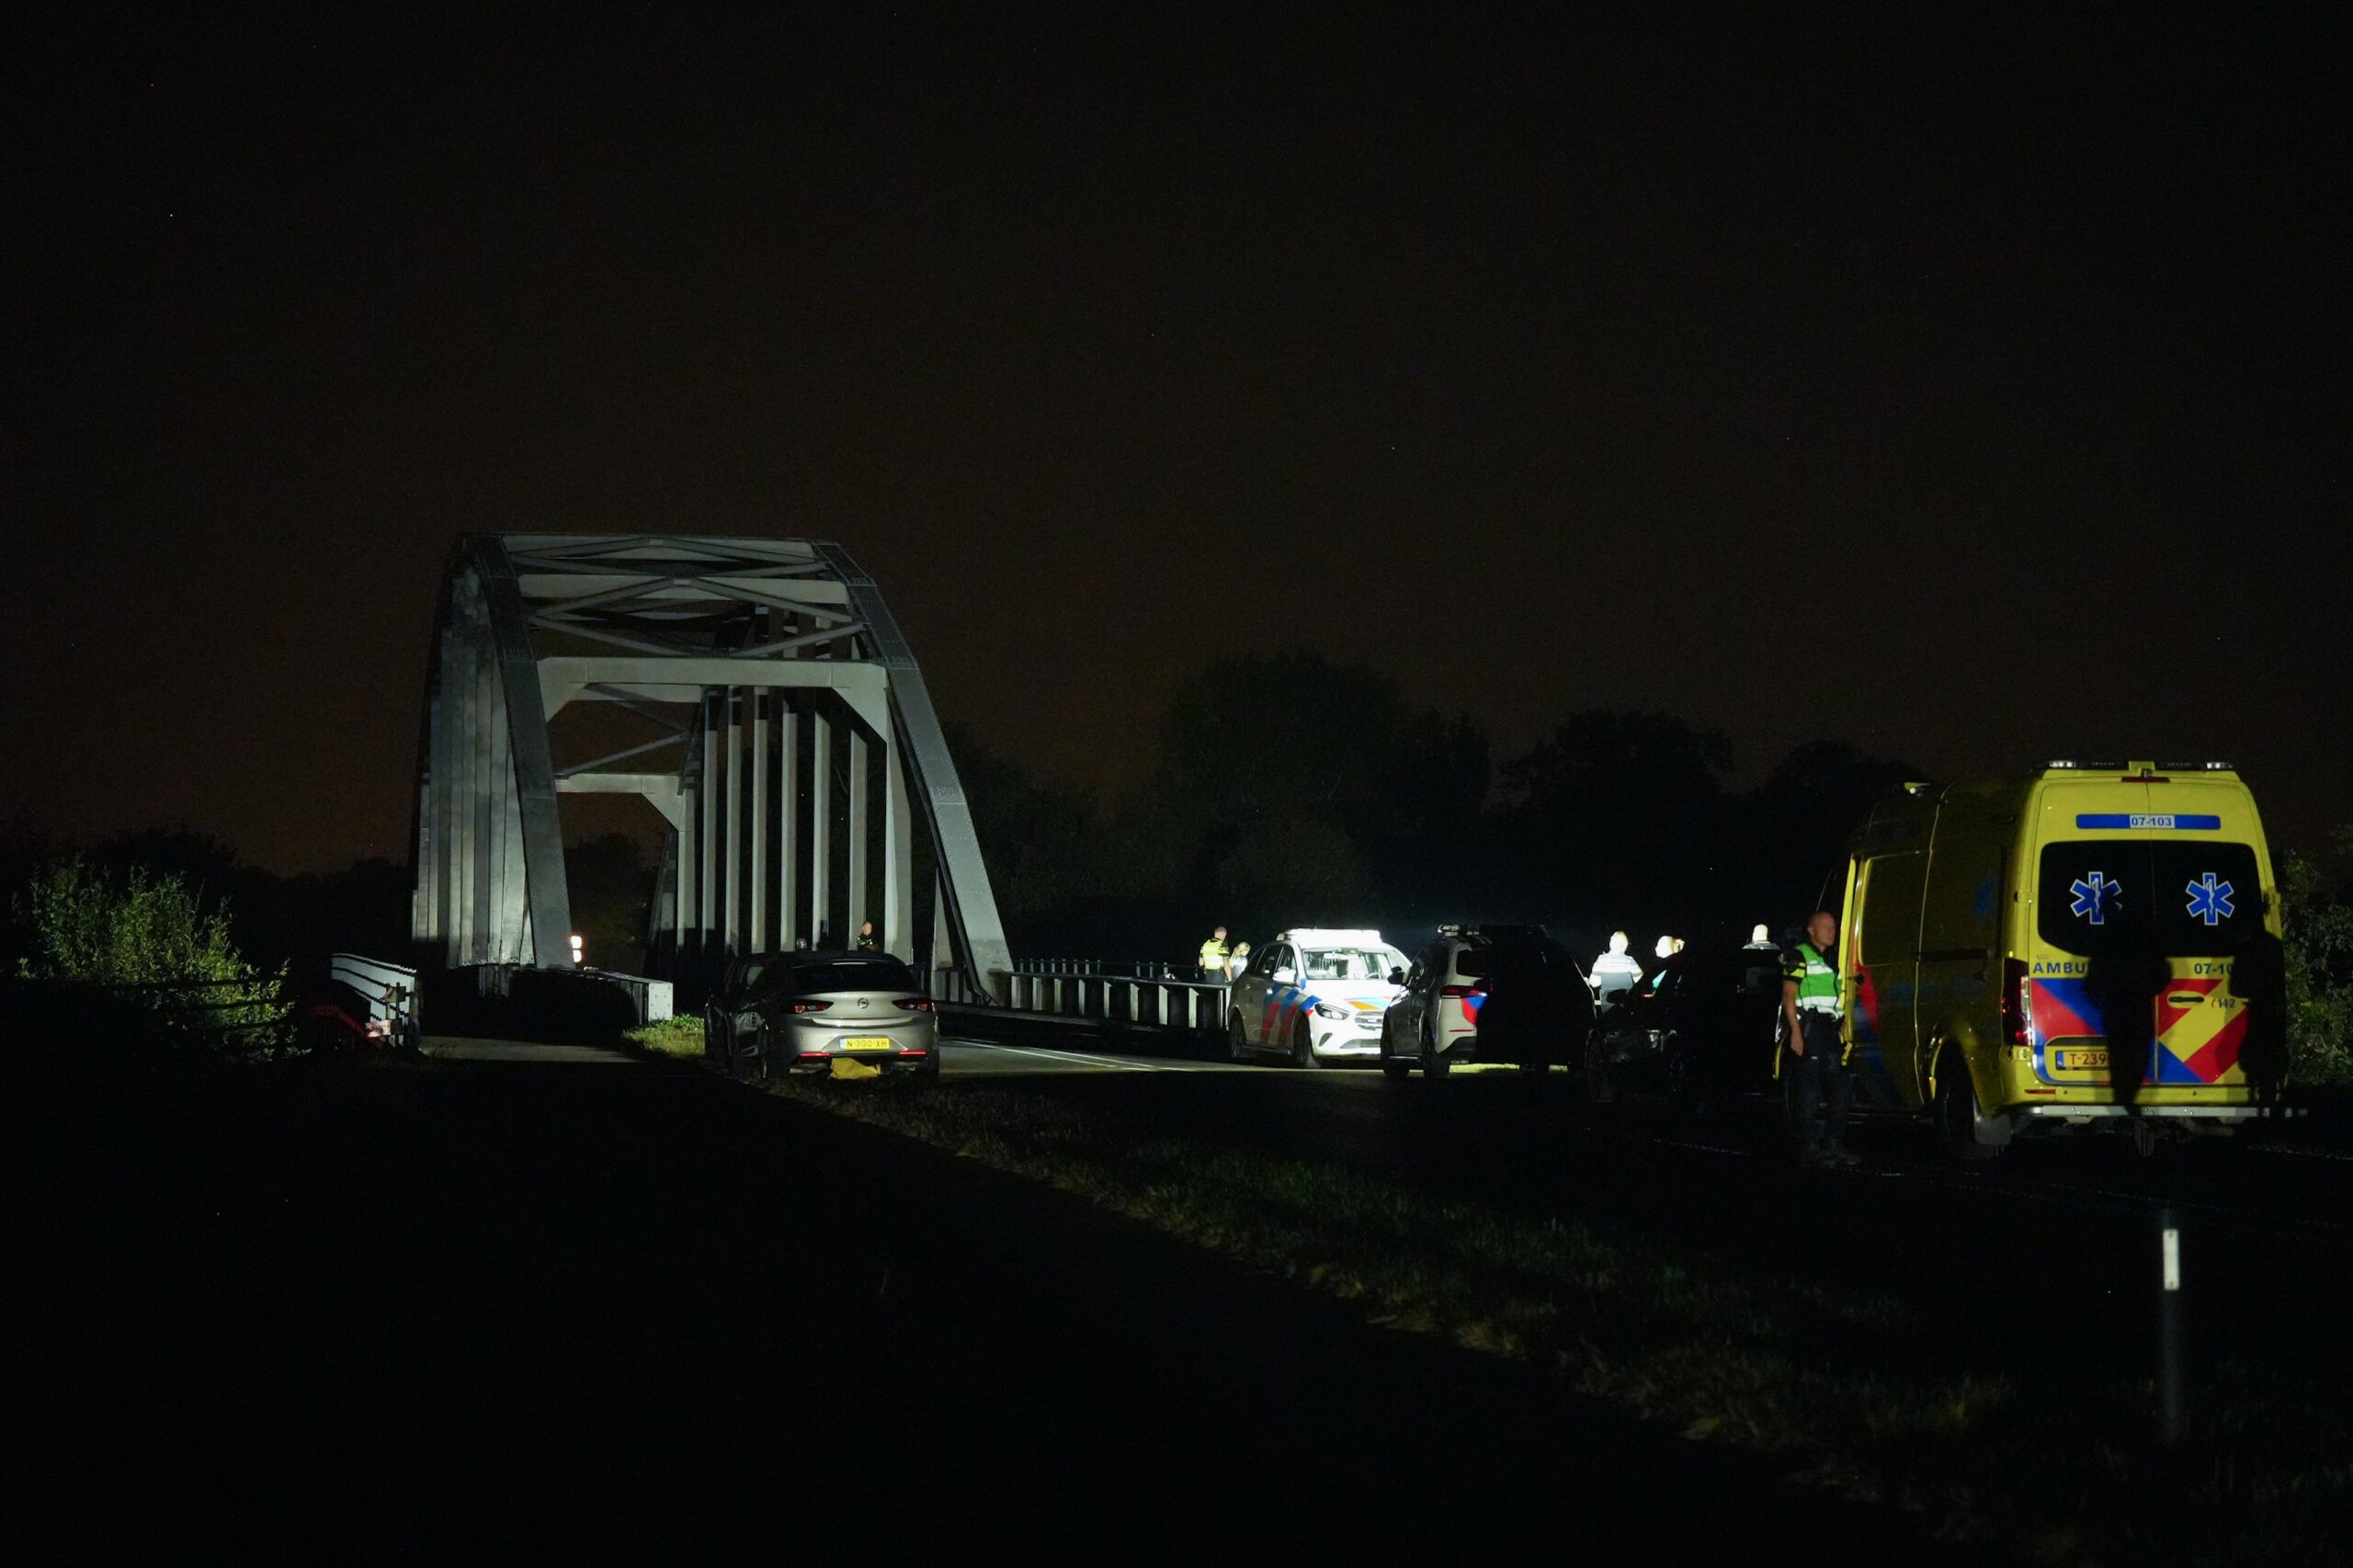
point(1812, 1007)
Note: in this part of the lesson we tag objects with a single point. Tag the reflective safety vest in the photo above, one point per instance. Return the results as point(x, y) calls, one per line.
point(1212, 957)
point(1817, 981)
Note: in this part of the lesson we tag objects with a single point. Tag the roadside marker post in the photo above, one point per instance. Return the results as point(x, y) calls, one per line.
point(2171, 1372)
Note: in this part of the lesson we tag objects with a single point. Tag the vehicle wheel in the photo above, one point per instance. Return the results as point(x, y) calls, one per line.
point(1685, 1089)
point(1396, 1069)
point(762, 1044)
point(1302, 1045)
point(1237, 1043)
point(1956, 1112)
point(1432, 1065)
point(1597, 1066)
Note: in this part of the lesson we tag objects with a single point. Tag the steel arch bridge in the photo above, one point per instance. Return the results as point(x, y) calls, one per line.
point(795, 756)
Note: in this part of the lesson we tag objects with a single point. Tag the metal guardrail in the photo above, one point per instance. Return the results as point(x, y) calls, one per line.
point(1187, 1007)
point(390, 994)
point(1135, 969)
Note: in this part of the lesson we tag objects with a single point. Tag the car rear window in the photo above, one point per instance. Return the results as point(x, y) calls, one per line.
point(852, 974)
point(2179, 898)
point(1540, 956)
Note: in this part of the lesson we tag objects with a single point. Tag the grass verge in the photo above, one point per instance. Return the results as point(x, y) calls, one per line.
point(671, 1037)
point(1830, 1381)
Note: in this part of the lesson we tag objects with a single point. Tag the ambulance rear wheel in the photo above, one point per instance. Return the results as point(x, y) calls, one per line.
point(1956, 1112)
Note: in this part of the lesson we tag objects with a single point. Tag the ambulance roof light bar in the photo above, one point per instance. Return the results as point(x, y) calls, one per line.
point(2075, 766)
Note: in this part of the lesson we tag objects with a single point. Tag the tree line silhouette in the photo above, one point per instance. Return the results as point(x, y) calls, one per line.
point(1291, 788)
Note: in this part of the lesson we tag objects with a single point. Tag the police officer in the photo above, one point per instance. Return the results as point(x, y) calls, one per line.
point(1214, 958)
point(868, 942)
point(1810, 1009)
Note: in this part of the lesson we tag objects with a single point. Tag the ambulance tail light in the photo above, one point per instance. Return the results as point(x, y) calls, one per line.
point(2017, 1003)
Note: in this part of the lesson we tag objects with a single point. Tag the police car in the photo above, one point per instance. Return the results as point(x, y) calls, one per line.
point(1316, 996)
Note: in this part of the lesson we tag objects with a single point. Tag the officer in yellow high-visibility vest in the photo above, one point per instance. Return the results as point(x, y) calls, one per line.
point(1810, 1010)
point(1213, 957)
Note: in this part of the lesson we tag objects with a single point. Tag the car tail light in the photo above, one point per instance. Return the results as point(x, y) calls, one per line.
point(918, 1005)
point(810, 1006)
point(914, 1054)
point(1477, 988)
point(2017, 1003)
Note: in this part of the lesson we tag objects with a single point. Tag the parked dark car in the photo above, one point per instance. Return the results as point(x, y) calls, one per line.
point(1715, 1013)
point(779, 1012)
point(1487, 993)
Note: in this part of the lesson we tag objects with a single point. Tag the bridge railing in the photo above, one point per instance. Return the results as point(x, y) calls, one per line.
point(378, 993)
point(1088, 989)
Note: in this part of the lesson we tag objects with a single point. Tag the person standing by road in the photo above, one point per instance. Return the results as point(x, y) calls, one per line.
point(1615, 971)
point(1214, 958)
point(1236, 961)
point(1810, 1010)
point(868, 942)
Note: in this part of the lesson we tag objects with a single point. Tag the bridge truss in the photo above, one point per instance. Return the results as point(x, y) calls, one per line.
point(779, 723)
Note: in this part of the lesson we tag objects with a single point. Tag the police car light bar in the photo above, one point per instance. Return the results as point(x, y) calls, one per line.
point(1332, 937)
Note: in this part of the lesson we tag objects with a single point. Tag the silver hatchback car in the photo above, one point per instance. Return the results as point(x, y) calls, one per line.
point(803, 1010)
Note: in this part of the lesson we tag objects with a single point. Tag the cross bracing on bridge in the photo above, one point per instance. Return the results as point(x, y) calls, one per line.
point(794, 754)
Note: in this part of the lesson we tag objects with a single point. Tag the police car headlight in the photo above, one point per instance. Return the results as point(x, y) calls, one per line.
point(1333, 1011)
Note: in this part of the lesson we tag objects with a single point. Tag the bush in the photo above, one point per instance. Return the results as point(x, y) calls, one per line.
point(676, 1036)
point(2318, 931)
point(142, 953)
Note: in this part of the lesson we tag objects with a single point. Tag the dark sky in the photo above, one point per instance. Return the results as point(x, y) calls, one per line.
point(1975, 390)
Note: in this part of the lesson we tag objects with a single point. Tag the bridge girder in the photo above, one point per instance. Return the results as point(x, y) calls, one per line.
point(799, 766)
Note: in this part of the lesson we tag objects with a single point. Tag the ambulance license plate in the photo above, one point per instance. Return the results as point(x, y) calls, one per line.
point(877, 1042)
point(2080, 1061)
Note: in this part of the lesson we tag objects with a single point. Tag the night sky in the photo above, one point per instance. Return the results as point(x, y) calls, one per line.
point(1973, 389)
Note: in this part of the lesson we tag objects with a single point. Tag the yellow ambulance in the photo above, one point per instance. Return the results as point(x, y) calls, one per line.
point(2097, 946)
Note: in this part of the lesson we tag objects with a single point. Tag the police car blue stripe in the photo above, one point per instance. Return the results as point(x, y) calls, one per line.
point(2176, 822)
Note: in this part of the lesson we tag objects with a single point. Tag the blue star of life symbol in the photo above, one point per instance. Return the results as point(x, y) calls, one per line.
point(2210, 901)
point(2096, 898)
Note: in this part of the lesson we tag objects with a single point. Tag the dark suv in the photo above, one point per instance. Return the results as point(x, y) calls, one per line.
point(1487, 993)
point(1715, 1012)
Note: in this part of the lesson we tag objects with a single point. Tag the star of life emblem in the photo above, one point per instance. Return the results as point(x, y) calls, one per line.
point(2210, 901)
point(2096, 898)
